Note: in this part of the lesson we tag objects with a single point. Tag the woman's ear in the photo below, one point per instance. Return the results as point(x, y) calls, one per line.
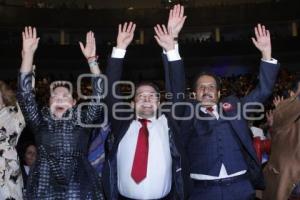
point(132, 104)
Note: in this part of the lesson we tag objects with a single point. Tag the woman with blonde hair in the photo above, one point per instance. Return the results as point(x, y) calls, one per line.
point(11, 125)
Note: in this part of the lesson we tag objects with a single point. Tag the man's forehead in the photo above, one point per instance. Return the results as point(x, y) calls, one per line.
point(145, 89)
point(145, 92)
point(207, 83)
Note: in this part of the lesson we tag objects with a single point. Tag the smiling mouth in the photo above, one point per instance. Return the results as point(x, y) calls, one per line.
point(60, 108)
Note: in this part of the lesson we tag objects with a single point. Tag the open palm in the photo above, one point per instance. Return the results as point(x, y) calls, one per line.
point(176, 19)
point(125, 35)
point(30, 40)
point(164, 37)
point(89, 50)
point(262, 39)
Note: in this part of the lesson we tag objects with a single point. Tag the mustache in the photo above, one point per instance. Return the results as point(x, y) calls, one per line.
point(207, 95)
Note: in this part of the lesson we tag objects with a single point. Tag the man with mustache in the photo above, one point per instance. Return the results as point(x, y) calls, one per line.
point(145, 161)
point(217, 140)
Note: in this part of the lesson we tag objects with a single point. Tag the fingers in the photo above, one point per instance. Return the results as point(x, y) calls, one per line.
point(90, 40)
point(165, 29)
point(254, 42)
point(162, 30)
point(171, 14)
point(34, 32)
point(127, 27)
point(261, 31)
point(181, 13)
point(183, 20)
point(29, 32)
point(177, 10)
point(81, 46)
point(158, 40)
point(124, 27)
point(256, 32)
point(87, 38)
point(132, 28)
point(119, 28)
point(158, 30)
point(268, 34)
point(23, 36)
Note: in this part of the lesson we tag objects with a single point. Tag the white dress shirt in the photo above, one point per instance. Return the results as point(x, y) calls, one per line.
point(172, 55)
point(158, 181)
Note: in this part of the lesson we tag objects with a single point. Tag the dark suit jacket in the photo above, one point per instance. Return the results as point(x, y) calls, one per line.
point(267, 78)
point(120, 127)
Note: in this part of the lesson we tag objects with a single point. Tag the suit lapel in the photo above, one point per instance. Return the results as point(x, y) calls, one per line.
point(238, 125)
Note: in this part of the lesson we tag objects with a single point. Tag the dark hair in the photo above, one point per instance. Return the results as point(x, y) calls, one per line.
point(147, 83)
point(23, 149)
point(199, 75)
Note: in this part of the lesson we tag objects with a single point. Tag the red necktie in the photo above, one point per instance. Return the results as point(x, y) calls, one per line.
point(139, 167)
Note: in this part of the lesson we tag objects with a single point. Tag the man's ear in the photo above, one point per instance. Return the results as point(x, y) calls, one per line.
point(74, 102)
point(219, 94)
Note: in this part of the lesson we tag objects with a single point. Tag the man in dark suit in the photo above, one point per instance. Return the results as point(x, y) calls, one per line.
point(217, 140)
point(145, 161)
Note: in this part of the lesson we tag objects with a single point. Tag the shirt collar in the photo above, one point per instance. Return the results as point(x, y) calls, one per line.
point(203, 109)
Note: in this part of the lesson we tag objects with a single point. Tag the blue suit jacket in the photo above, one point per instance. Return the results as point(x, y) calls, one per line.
point(267, 77)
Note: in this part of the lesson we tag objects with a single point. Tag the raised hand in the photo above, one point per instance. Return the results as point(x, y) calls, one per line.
point(262, 41)
point(176, 19)
point(30, 44)
point(30, 40)
point(125, 35)
point(164, 37)
point(277, 100)
point(89, 50)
